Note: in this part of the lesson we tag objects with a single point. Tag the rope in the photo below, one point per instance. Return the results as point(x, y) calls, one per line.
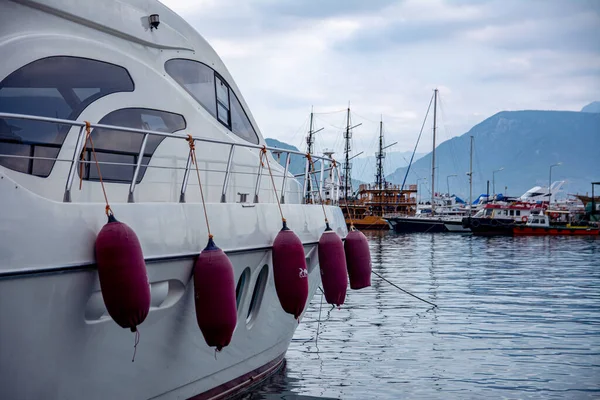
point(190, 141)
point(88, 136)
point(136, 342)
point(405, 291)
point(312, 164)
point(319, 322)
point(263, 152)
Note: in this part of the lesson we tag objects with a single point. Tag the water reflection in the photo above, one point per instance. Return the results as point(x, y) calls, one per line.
point(517, 317)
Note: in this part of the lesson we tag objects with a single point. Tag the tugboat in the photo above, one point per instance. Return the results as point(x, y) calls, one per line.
point(538, 225)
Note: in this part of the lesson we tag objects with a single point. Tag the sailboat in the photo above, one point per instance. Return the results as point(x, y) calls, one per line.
point(429, 222)
point(365, 208)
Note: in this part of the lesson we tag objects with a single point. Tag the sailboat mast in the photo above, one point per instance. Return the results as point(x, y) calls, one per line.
point(435, 94)
point(347, 168)
point(379, 175)
point(379, 184)
point(471, 178)
point(309, 147)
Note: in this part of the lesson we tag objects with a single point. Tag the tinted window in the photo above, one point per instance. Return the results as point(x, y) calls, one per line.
point(222, 102)
point(240, 125)
point(124, 147)
point(197, 79)
point(214, 94)
point(58, 87)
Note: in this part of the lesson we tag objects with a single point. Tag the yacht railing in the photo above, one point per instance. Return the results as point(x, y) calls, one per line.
point(81, 137)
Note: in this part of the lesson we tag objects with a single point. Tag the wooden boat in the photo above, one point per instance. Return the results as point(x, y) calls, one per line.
point(366, 207)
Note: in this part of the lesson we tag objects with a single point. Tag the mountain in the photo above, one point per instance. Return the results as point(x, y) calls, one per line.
point(298, 162)
point(593, 107)
point(525, 143)
point(364, 168)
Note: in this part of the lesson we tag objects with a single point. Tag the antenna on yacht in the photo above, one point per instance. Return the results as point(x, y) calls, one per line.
point(435, 94)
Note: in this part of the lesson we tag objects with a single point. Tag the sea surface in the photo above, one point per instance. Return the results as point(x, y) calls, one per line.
point(516, 318)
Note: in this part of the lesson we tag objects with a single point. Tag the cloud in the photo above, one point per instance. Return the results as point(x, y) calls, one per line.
point(385, 57)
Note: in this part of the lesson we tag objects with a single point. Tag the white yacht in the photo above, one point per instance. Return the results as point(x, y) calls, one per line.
point(144, 79)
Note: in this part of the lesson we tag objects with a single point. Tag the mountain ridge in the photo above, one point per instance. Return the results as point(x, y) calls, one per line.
point(525, 143)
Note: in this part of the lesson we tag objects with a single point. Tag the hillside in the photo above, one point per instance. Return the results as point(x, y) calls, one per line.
point(525, 143)
point(593, 107)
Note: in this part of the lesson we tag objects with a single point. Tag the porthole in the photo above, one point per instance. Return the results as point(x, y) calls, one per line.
point(242, 286)
point(257, 295)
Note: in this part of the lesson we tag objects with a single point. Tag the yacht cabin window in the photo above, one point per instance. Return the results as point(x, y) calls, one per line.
point(57, 87)
point(120, 150)
point(214, 94)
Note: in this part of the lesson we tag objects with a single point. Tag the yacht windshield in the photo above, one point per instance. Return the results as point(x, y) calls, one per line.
point(214, 94)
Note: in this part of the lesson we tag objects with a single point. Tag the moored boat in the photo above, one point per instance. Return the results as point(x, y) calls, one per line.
point(134, 79)
point(539, 225)
point(365, 208)
point(500, 218)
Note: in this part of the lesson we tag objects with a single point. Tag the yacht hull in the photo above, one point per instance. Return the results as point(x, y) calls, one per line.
point(456, 226)
point(416, 225)
point(489, 226)
point(57, 340)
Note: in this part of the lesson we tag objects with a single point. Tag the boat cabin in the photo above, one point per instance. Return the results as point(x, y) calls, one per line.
point(538, 220)
point(518, 212)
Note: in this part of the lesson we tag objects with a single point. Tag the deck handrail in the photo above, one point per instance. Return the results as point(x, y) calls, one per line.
point(157, 133)
point(177, 135)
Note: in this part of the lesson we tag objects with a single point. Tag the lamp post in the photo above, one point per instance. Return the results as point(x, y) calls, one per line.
point(419, 189)
point(494, 179)
point(448, 182)
point(550, 182)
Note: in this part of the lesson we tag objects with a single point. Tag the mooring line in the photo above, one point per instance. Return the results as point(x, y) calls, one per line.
point(405, 291)
point(319, 321)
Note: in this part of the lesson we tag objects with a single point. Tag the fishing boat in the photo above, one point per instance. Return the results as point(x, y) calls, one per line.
point(122, 101)
point(539, 225)
point(365, 208)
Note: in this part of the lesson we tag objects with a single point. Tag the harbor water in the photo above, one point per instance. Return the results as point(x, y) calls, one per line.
point(516, 318)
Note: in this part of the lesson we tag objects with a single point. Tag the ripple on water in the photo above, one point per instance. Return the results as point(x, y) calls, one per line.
point(517, 317)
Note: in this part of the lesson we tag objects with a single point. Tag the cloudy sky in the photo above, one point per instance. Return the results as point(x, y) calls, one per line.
point(385, 57)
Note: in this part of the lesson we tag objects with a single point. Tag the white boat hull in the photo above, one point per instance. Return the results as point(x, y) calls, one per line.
point(57, 342)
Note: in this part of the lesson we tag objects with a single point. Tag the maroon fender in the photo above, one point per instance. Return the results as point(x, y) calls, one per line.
point(332, 262)
point(290, 272)
point(214, 296)
point(122, 274)
point(358, 259)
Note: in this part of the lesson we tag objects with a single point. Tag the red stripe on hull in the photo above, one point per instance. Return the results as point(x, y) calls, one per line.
point(541, 231)
point(241, 383)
